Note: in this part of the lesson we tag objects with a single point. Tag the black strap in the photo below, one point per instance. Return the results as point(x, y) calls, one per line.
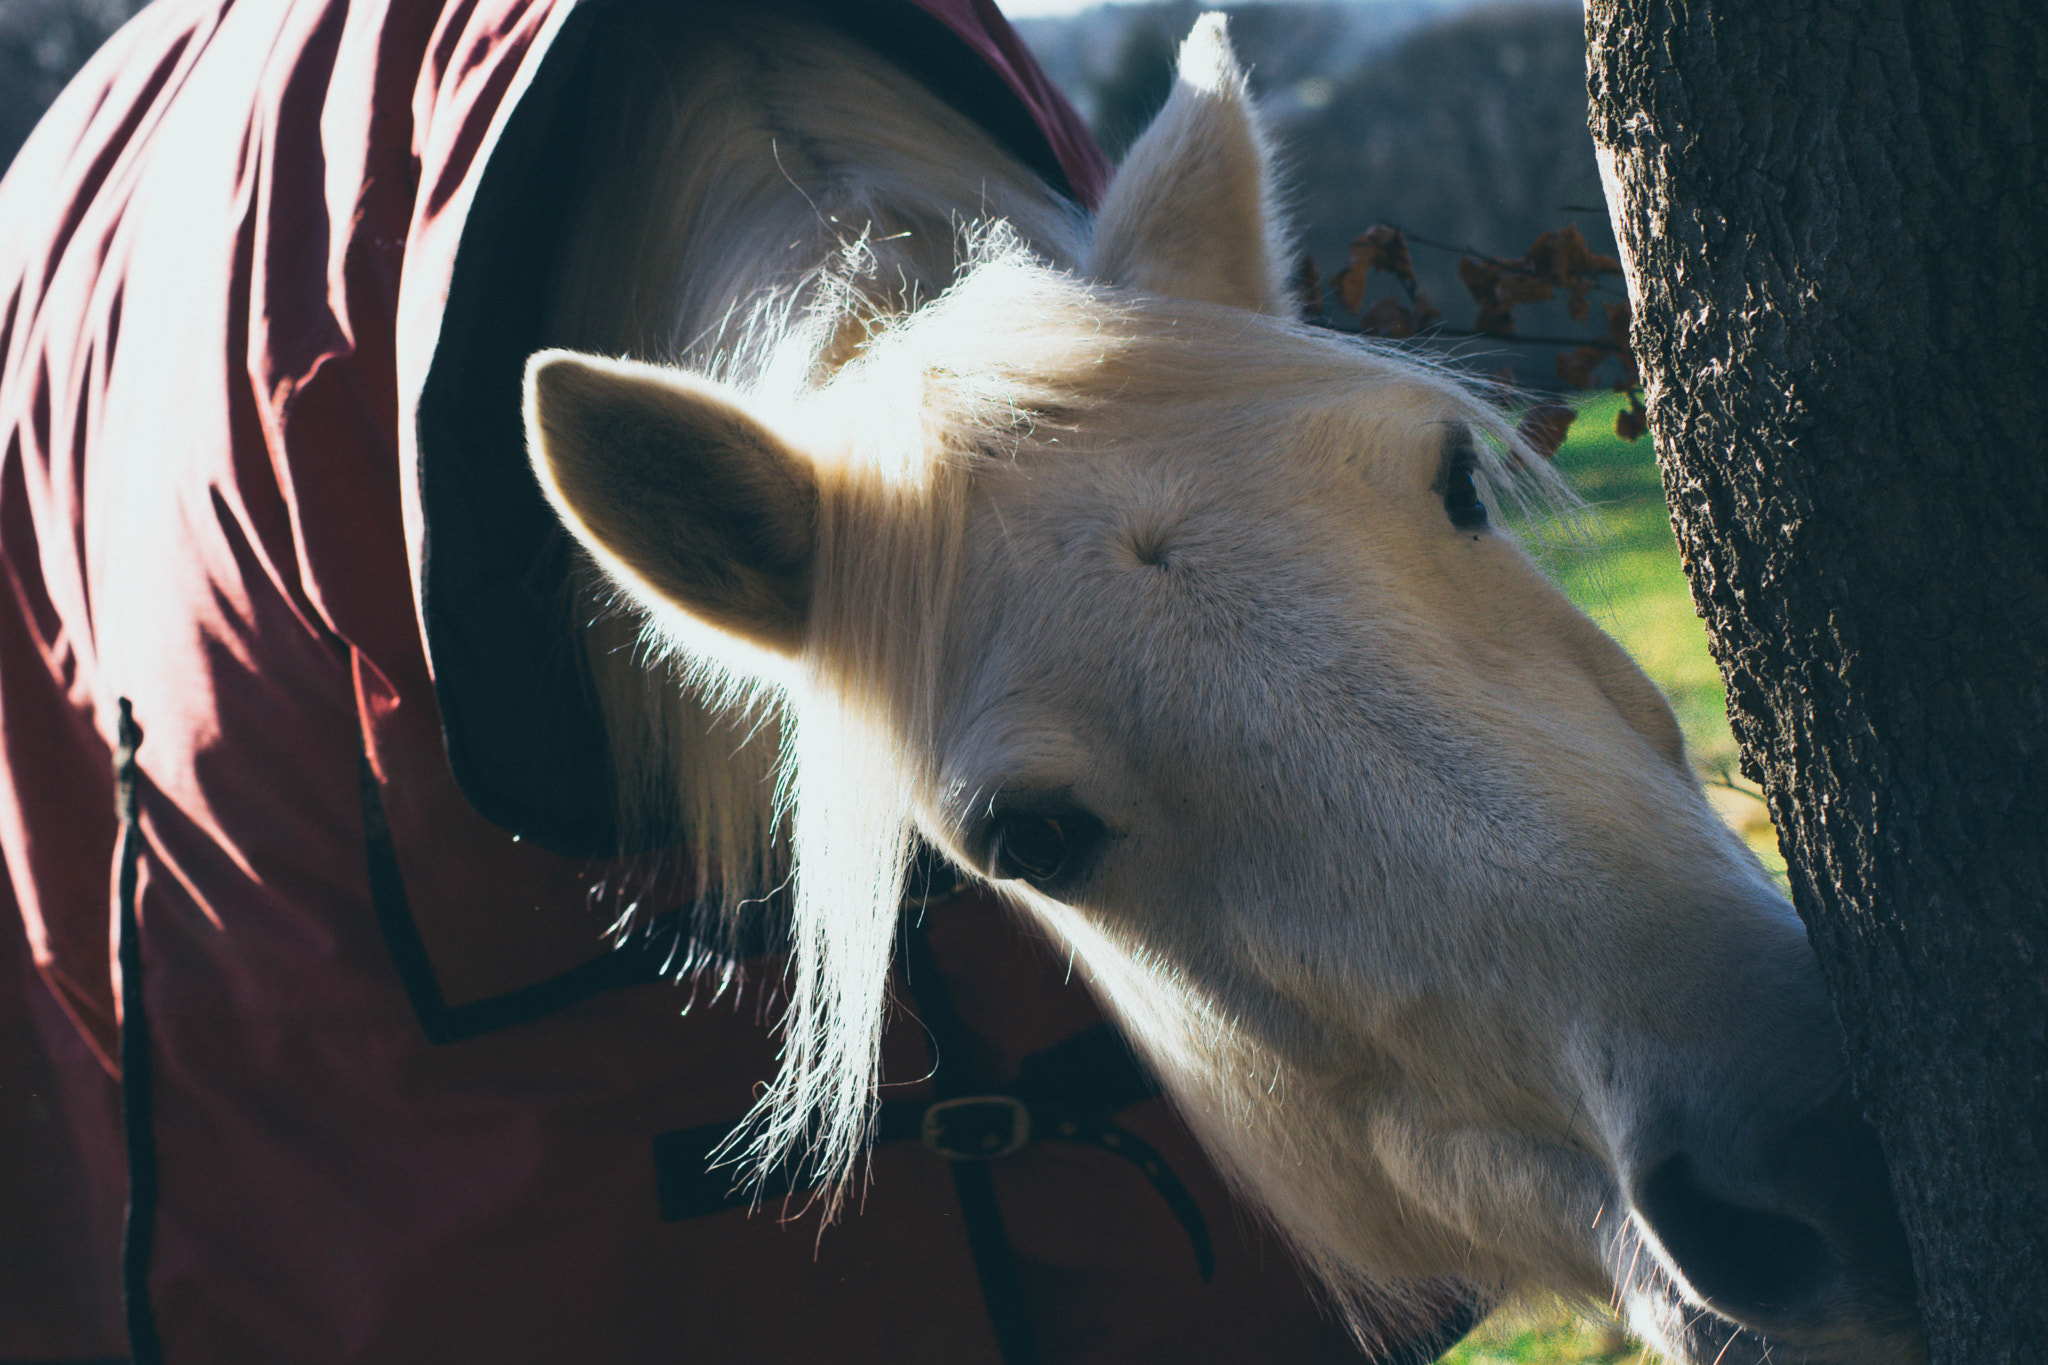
point(1067, 1093)
point(640, 960)
point(139, 1227)
point(955, 1075)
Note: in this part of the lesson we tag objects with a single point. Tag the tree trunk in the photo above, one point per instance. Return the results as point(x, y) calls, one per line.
point(1834, 216)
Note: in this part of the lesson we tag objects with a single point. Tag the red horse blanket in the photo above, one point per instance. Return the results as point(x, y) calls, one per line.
point(267, 272)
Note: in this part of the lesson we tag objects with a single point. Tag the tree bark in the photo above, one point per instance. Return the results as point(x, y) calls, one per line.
point(1834, 217)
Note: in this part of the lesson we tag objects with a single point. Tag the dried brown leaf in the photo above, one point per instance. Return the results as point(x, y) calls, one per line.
point(1575, 367)
point(1386, 248)
point(1380, 248)
point(1387, 318)
point(1496, 307)
point(1576, 300)
point(1619, 319)
point(1545, 427)
point(1480, 277)
point(1350, 286)
point(1632, 421)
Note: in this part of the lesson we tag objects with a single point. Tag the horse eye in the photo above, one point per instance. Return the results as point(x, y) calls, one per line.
point(1030, 848)
point(1461, 494)
point(1044, 848)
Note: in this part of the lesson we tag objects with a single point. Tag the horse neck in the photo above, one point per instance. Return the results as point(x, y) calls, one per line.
point(756, 194)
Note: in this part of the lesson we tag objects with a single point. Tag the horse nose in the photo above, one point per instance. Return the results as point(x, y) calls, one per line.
point(1792, 1239)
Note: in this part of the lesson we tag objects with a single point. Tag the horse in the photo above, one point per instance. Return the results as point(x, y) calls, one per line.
point(917, 507)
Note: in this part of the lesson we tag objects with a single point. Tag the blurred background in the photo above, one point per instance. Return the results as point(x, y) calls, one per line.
point(1461, 123)
point(41, 43)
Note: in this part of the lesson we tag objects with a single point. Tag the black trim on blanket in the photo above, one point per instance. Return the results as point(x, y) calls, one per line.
point(635, 963)
point(138, 1232)
point(524, 737)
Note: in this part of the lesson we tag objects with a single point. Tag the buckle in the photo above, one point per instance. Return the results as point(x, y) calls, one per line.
point(977, 1127)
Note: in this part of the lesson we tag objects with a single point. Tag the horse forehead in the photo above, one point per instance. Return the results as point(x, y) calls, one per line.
point(1138, 592)
point(1241, 481)
point(1237, 438)
point(1298, 511)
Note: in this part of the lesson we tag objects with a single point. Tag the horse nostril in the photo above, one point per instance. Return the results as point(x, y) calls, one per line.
point(1788, 1228)
point(1751, 1264)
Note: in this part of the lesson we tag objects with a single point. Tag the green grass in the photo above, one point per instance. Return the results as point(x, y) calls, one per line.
point(1550, 1333)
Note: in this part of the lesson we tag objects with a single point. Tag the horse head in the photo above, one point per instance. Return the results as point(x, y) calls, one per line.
point(1193, 630)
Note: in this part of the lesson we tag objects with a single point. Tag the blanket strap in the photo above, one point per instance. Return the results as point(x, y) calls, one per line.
point(958, 1090)
point(139, 1228)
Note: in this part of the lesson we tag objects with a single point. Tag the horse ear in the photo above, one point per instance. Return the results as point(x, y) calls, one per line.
point(1190, 212)
point(685, 497)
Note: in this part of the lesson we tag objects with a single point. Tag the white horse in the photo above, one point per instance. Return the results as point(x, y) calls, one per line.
point(1185, 625)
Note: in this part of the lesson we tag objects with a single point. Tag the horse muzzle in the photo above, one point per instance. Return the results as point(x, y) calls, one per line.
point(1792, 1235)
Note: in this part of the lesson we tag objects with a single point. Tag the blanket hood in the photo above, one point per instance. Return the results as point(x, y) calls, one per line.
point(496, 132)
